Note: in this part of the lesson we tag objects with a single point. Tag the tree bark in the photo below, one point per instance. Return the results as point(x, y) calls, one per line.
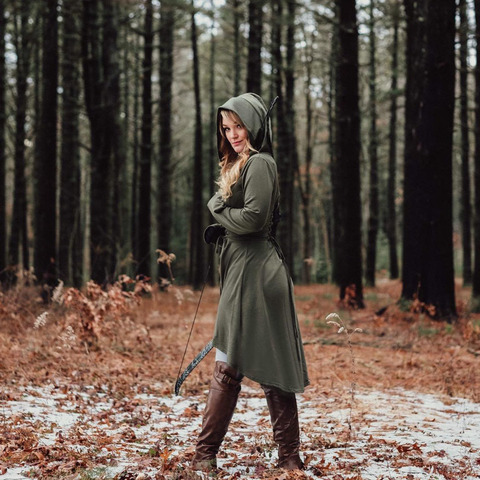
point(372, 228)
point(70, 252)
point(196, 244)
point(114, 130)
point(331, 207)
point(435, 138)
point(476, 269)
point(284, 158)
point(45, 166)
point(292, 152)
point(101, 208)
point(413, 188)
point(465, 202)
point(136, 147)
point(18, 233)
point(3, 118)
point(254, 63)
point(236, 67)
point(144, 212)
point(346, 189)
point(164, 220)
point(391, 221)
point(212, 136)
point(305, 180)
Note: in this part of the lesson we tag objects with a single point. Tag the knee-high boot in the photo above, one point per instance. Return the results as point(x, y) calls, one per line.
point(221, 402)
point(286, 432)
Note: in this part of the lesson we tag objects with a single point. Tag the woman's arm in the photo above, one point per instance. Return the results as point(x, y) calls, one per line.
point(258, 184)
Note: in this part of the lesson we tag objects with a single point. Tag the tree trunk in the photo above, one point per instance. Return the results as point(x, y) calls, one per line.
point(236, 6)
point(114, 129)
point(18, 234)
point(3, 118)
point(391, 221)
point(413, 187)
point(254, 64)
point(373, 158)
point(284, 159)
point(45, 166)
point(292, 152)
point(164, 219)
point(305, 183)
point(331, 207)
point(144, 211)
point(196, 244)
point(435, 136)
point(136, 162)
point(101, 208)
point(476, 269)
point(465, 203)
point(212, 136)
point(346, 190)
point(70, 254)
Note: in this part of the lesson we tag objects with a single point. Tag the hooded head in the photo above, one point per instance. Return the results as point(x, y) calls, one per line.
point(252, 110)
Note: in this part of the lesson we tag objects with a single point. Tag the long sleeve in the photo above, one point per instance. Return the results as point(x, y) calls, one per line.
point(258, 183)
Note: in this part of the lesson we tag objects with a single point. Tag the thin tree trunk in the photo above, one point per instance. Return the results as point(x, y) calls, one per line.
point(413, 187)
point(284, 159)
point(135, 168)
point(254, 63)
point(70, 257)
point(236, 6)
point(332, 206)
point(476, 269)
point(101, 208)
point(213, 157)
point(465, 208)
point(164, 219)
point(126, 200)
point(373, 157)
point(3, 118)
point(196, 245)
point(391, 222)
point(292, 152)
point(306, 184)
point(114, 131)
point(346, 190)
point(45, 166)
point(146, 149)
point(19, 214)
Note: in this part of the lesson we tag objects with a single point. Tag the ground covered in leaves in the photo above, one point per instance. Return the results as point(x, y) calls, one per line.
point(86, 388)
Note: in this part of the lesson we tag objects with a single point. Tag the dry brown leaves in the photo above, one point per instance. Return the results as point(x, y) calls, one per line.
point(131, 338)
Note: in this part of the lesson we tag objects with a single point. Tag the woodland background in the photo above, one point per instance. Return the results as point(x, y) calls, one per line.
point(107, 154)
point(107, 138)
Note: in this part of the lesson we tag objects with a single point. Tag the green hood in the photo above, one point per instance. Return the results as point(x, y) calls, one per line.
point(252, 110)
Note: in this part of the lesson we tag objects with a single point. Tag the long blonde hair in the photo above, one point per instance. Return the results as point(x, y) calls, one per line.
point(231, 162)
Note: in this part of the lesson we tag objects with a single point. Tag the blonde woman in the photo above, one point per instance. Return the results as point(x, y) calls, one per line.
point(256, 331)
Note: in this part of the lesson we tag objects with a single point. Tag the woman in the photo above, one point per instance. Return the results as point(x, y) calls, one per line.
point(256, 332)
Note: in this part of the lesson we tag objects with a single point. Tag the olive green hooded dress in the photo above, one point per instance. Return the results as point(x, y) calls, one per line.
point(256, 325)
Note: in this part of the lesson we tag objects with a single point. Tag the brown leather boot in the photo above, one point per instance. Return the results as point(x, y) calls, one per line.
point(286, 432)
point(221, 401)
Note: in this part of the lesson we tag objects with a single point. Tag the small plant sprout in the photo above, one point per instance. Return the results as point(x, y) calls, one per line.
point(57, 295)
point(335, 319)
point(68, 337)
point(41, 320)
point(340, 325)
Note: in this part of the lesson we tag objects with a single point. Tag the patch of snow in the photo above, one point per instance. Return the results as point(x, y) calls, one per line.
point(390, 435)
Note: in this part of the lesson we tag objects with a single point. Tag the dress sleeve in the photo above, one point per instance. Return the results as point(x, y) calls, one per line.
point(258, 183)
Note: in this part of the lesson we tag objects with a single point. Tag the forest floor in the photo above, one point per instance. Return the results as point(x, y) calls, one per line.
point(86, 389)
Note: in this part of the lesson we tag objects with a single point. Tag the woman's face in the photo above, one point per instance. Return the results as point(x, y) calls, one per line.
point(235, 133)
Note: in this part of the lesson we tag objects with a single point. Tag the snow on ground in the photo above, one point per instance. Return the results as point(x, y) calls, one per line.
point(390, 435)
